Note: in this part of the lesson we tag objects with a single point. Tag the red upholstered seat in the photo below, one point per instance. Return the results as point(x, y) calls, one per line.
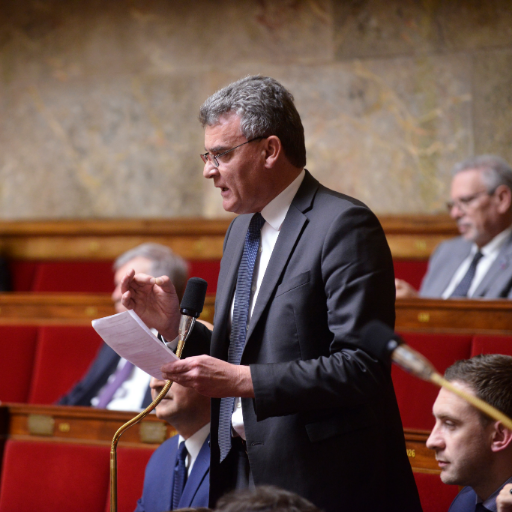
point(17, 352)
point(131, 465)
point(434, 495)
point(207, 270)
point(22, 275)
point(74, 276)
point(64, 354)
point(411, 271)
point(491, 344)
point(53, 477)
point(416, 397)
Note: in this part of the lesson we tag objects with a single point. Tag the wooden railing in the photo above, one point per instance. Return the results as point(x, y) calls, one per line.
point(411, 236)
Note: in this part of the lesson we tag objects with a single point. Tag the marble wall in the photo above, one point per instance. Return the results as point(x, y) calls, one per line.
point(99, 99)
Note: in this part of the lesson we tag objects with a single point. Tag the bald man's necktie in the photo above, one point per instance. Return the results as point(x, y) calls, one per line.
point(109, 390)
point(180, 475)
point(463, 287)
point(480, 508)
point(239, 323)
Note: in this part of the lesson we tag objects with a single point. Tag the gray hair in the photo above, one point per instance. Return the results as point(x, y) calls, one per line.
point(163, 263)
point(495, 170)
point(265, 108)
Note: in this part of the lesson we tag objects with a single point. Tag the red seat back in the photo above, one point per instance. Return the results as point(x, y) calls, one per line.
point(416, 397)
point(17, 353)
point(434, 495)
point(50, 477)
point(74, 276)
point(491, 344)
point(411, 271)
point(64, 354)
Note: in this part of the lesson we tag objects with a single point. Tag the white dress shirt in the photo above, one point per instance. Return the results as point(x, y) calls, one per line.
point(274, 214)
point(194, 444)
point(490, 253)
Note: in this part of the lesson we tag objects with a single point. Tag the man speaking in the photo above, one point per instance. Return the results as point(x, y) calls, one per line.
point(296, 402)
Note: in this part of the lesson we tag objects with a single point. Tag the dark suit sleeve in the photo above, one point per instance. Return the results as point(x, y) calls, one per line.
point(102, 367)
point(356, 284)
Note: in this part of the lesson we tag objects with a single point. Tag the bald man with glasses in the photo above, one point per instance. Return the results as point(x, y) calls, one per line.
point(478, 264)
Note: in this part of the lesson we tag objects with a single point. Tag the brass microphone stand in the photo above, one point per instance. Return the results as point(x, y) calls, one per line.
point(139, 417)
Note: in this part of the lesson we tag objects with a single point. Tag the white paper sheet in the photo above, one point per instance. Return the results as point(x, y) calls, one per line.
point(127, 334)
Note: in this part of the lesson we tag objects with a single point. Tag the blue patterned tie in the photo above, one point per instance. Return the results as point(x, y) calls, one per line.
point(239, 323)
point(180, 475)
point(463, 287)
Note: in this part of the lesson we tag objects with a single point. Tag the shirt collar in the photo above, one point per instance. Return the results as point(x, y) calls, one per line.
point(196, 441)
point(275, 211)
point(490, 502)
point(495, 244)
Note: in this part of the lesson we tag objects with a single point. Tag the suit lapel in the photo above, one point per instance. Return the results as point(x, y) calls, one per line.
point(225, 297)
point(164, 494)
point(499, 265)
point(291, 230)
point(197, 475)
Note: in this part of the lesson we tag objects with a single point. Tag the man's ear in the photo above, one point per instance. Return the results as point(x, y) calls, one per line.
point(501, 437)
point(273, 149)
point(504, 196)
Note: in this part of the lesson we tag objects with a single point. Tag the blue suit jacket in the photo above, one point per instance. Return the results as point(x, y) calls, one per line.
point(158, 481)
point(104, 365)
point(465, 501)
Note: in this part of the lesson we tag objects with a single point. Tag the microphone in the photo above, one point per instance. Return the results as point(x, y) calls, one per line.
point(190, 308)
point(381, 342)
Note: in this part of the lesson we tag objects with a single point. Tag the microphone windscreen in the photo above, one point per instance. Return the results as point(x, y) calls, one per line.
point(375, 339)
point(193, 298)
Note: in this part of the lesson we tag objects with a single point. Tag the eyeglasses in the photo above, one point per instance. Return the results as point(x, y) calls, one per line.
point(213, 159)
point(464, 203)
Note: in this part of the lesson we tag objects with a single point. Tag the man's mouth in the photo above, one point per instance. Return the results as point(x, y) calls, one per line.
point(442, 463)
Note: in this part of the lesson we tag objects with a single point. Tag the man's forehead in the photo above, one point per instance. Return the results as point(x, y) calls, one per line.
point(467, 182)
point(449, 404)
point(226, 129)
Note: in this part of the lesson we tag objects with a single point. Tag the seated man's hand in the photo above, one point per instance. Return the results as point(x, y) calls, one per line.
point(404, 290)
point(154, 300)
point(504, 499)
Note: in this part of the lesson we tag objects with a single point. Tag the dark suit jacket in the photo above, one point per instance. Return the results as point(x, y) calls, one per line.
point(324, 422)
point(158, 482)
point(446, 259)
point(96, 377)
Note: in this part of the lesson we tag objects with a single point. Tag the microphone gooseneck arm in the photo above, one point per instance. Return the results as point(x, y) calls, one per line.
point(383, 343)
point(190, 308)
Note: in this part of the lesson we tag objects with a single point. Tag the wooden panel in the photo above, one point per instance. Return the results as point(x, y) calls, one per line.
point(94, 426)
point(105, 239)
point(56, 308)
point(421, 458)
point(454, 316)
point(411, 236)
point(78, 425)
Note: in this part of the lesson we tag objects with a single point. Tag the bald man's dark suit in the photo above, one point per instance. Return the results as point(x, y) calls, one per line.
point(324, 422)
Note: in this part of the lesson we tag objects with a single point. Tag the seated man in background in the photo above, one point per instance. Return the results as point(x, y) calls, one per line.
point(477, 264)
point(177, 475)
point(112, 382)
point(472, 449)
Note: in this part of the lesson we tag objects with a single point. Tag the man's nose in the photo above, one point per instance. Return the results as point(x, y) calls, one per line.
point(156, 383)
point(210, 170)
point(434, 441)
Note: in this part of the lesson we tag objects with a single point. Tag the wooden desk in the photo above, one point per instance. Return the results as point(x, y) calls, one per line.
point(84, 425)
point(454, 316)
point(87, 425)
point(409, 236)
point(63, 308)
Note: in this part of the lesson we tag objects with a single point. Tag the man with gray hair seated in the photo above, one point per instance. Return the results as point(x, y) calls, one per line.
point(112, 382)
point(478, 264)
